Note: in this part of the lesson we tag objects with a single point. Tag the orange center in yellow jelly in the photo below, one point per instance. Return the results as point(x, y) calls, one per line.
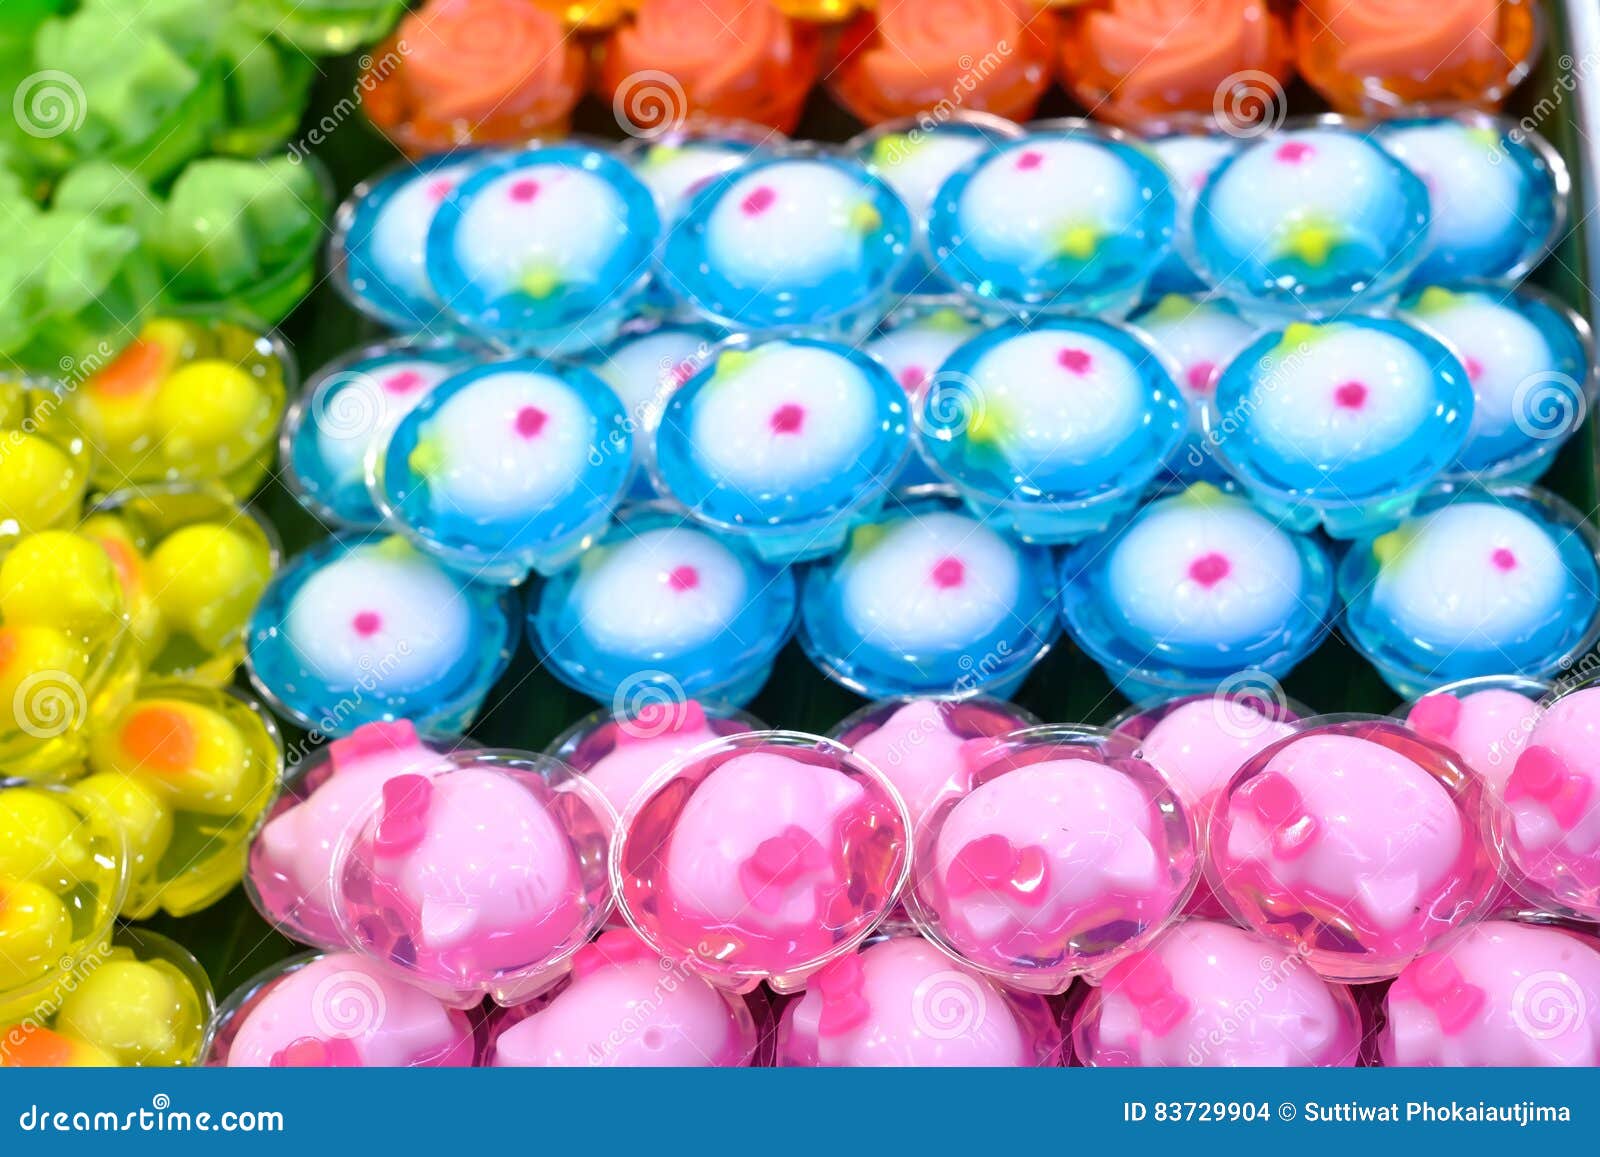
point(160, 739)
point(134, 369)
point(33, 1047)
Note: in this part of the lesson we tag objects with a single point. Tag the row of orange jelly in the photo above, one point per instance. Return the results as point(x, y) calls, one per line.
point(459, 72)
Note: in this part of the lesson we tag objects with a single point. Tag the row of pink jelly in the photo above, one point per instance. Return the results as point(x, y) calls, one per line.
point(764, 855)
point(1204, 994)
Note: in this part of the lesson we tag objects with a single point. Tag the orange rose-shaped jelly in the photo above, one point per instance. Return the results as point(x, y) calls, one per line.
point(1139, 61)
point(1376, 56)
point(474, 72)
point(725, 59)
point(925, 55)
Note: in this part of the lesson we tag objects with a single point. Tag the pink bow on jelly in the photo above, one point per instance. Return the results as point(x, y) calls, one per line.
point(1544, 776)
point(313, 1052)
point(1435, 716)
point(992, 865)
point(777, 864)
point(842, 986)
point(405, 814)
point(1273, 800)
point(1435, 982)
point(1147, 984)
point(372, 739)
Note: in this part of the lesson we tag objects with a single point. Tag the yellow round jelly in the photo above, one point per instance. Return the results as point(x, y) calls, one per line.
point(137, 1012)
point(32, 1046)
point(207, 580)
point(210, 415)
point(191, 755)
point(60, 579)
point(42, 839)
point(144, 617)
point(113, 409)
point(137, 810)
point(40, 484)
point(35, 931)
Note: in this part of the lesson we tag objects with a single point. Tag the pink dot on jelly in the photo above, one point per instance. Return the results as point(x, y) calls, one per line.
point(530, 421)
point(367, 624)
point(1210, 569)
point(1075, 361)
point(1293, 152)
point(787, 419)
point(948, 573)
point(524, 191)
point(439, 190)
point(1350, 396)
point(1201, 376)
point(1029, 160)
point(758, 201)
point(403, 382)
point(1474, 369)
point(1503, 559)
point(912, 377)
point(683, 578)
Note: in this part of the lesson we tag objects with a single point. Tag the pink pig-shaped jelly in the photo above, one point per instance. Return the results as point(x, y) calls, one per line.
point(758, 845)
point(484, 872)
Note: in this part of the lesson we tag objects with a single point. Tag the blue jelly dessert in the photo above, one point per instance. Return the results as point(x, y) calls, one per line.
point(1190, 158)
point(1198, 338)
point(644, 366)
point(1310, 222)
point(1052, 431)
point(913, 343)
point(677, 163)
point(1342, 423)
point(785, 443)
point(799, 241)
point(662, 605)
point(916, 155)
point(378, 252)
point(1530, 360)
point(1073, 219)
point(348, 408)
point(1498, 193)
point(1196, 587)
point(544, 250)
point(507, 467)
point(927, 600)
point(360, 629)
point(1478, 581)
